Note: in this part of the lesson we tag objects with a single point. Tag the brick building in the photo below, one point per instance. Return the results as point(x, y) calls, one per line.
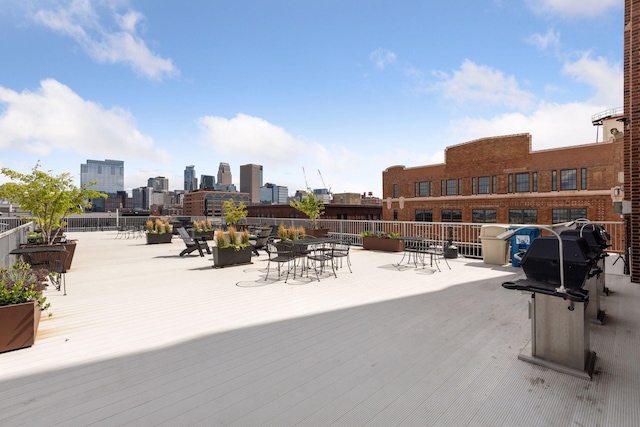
point(193, 202)
point(500, 179)
point(331, 211)
point(632, 133)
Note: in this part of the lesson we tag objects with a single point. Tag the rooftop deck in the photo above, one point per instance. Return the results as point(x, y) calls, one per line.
point(145, 337)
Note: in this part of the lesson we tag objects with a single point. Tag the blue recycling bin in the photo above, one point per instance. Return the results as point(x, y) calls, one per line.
point(521, 242)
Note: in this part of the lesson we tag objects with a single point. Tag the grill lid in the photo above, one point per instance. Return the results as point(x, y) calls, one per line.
point(541, 262)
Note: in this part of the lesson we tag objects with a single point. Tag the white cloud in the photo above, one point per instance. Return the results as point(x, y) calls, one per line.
point(246, 139)
point(481, 84)
point(607, 79)
point(549, 40)
point(81, 22)
point(578, 8)
point(551, 126)
point(56, 118)
point(382, 57)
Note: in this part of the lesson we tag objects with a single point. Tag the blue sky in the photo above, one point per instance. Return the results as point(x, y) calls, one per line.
point(344, 87)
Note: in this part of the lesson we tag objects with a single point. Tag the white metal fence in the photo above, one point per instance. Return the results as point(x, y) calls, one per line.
point(465, 236)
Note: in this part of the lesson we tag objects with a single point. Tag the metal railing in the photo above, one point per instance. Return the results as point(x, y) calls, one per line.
point(466, 236)
point(10, 240)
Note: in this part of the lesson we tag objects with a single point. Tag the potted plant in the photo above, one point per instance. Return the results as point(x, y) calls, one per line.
point(231, 248)
point(233, 213)
point(313, 208)
point(203, 229)
point(21, 305)
point(50, 199)
point(158, 231)
point(389, 242)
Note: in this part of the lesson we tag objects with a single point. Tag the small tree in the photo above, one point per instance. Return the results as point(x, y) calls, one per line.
point(232, 213)
point(310, 206)
point(48, 197)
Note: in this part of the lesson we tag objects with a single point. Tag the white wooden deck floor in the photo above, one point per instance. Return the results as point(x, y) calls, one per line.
point(145, 337)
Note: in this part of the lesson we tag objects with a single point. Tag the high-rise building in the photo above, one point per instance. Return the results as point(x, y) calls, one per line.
point(251, 181)
point(107, 174)
point(274, 194)
point(207, 181)
point(224, 174)
point(190, 180)
point(142, 198)
point(159, 183)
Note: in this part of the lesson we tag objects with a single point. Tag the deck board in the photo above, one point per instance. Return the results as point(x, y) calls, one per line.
point(145, 337)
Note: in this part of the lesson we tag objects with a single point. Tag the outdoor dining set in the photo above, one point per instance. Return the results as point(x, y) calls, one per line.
point(320, 256)
point(300, 256)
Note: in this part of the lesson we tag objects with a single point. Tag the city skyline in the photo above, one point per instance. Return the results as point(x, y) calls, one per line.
point(328, 87)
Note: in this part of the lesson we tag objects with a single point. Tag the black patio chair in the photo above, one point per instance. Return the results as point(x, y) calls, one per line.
point(50, 258)
point(280, 253)
point(340, 252)
point(192, 244)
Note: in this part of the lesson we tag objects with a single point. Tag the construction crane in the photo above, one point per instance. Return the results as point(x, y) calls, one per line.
point(325, 185)
point(306, 184)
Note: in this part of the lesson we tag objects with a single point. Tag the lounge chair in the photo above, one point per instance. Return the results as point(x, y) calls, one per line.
point(259, 241)
point(192, 244)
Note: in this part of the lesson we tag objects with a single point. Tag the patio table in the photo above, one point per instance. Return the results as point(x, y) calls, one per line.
point(46, 256)
point(419, 248)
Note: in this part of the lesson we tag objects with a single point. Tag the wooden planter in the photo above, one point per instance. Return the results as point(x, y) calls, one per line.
point(70, 246)
point(207, 235)
point(153, 239)
point(19, 325)
point(316, 232)
point(377, 244)
point(225, 257)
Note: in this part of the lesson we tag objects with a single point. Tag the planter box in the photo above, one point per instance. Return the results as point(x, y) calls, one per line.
point(207, 235)
point(226, 257)
point(153, 239)
point(316, 232)
point(70, 246)
point(19, 325)
point(377, 244)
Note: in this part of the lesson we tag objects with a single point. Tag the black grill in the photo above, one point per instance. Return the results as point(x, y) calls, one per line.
point(541, 261)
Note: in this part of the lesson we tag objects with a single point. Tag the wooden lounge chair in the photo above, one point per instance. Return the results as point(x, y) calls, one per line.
point(192, 244)
point(259, 241)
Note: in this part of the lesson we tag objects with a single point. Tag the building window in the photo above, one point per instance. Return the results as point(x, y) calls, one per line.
point(460, 187)
point(483, 185)
point(554, 181)
point(494, 184)
point(522, 183)
point(424, 216)
point(442, 193)
point(523, 216)
point(510, 190)
point(113, 170)
point(534, 182)
point(568, 179)
point(100, 170)
point(473, 185)
point(423, 189)
point(451, 215)
point(484, 215)
point(395, 191)
point(583, 178)
point(564, 215)
point(395, 214)
point(451, 187)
